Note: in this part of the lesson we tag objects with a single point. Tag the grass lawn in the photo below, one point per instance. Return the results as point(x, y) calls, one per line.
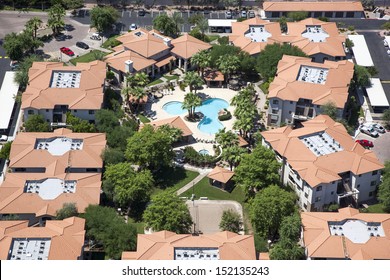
point(264, 88)
point(143, 118)
point(171, 77)
point(204, 189)
point(173, 178)
point(213, 37)
point(375, 208)
point(155, 82)
point(88, 57)
point(111, 42)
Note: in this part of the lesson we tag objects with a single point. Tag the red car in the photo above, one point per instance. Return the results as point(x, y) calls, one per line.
point(67, 51)
point(365, 143)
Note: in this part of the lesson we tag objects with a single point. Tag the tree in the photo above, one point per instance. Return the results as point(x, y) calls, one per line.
point(5, 151)
point(384, 188)
point(165, 24)
point(192, 79)
point(168, 212)
point(368, 3)
point(55, 19)
point(150, 147)
point(68, 210)
point(79, 125)
point(102, 18)
point(386, 118)
point(287, 250)
point(191, 101)
point(106, 120)
point(257, 171)
point(290, 227)
point(117, 138)
point(361, 76)
point(13, 46)
point(226, 138)
point(194, 19)
point(233, 155)
point(203, 26)
point(113, 156)
point(267, 62)
point(127, 188)
point(174, 133)
point(268, 209)
point(178, 21)
point(202, 60)
point(36, 123)
point(220, 50)
point(21, 76)
point(349, 43)
point(73, 4)
point(33, 25)
point(385, 25)
point(228, 64)
point(230, 221)
point(283, 24)
point(106, 228)
point(298, 15)
point(330, 109)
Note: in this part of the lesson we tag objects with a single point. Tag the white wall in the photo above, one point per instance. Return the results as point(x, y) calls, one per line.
point(364, 182)
point(84, 114)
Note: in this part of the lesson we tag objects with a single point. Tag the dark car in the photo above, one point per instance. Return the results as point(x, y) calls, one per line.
point(67, 51)
point(365, 143)
point(82, 45)
point(141, 13)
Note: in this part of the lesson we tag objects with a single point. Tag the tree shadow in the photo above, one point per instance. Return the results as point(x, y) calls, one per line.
point(169, 176)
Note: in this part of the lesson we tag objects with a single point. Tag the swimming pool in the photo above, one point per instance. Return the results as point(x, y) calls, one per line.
point(210, 108)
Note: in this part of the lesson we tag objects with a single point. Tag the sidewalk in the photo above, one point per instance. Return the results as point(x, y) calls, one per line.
point(193, 182)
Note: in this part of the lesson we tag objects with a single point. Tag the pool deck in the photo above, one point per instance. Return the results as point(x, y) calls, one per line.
point(178, 95)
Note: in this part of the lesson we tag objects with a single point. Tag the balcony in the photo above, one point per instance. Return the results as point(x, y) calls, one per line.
point(344, 190)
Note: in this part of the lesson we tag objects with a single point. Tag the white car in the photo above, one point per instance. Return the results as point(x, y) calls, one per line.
point(133, 27)
point(3, 138)
point(228, 14)
point(243, 14)
point(378, 127)
point(369, 130)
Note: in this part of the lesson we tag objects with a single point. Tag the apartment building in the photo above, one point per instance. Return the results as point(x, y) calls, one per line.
point(54, 89)
point(47, 170)
point(152, 53)
point(301, 87)
point(329, 9)
point(323, 164)
point(346, 235)
point(57, 240)
point(166, 245)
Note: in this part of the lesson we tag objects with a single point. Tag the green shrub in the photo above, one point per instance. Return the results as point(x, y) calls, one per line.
point(193, 157)
point(183, 86)
point(111, 43)
point(223, 40)
point(225, 117)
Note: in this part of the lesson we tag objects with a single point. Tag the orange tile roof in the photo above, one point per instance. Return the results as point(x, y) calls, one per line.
point(316, 170)
point(186, 46)
point(220, 174)
point(67, 237)
point(176, 122)
point(284, 6)
point(143, 100)
point(23, 153)
point(286, 87)
point(165, 60)
point(332, 45)
point(213, 75)
point(117, 60)
point(88, 96)
point(240, 28)
point(161, 245)
point(321, 244)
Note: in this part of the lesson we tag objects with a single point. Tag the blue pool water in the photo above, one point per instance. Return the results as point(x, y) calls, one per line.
point(204, 152)
point(210, 108)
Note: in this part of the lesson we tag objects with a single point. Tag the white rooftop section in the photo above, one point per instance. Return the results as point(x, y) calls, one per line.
point(196, 254)
point(360, 50)
point(221, 22)
point(313, 75)
point(8, 91)
point(257, 33)
point(58, 146)
point(65, 79)
point(376, 94)
point(50, 188)
point(356, 231)
point(29, 249)
point(315, 33)
point(321, 144)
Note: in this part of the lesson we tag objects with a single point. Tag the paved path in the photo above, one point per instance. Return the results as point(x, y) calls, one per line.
point(193, 182)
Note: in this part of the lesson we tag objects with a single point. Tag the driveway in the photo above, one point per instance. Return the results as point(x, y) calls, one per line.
point(381, 145)
point(207, 214)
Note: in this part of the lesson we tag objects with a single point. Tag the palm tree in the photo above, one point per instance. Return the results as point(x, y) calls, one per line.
point(56, 18)
point(191, 101)
point(98, 55)
point(141, 79)
point(178, 21)
point(33, 25)
point(233, 155)
point(174, 133)
point(226, 138)
point(202, 60)
point(138, 93)
point(244, 125)
point(203, 26)
point(192, 79)
point(228, 64)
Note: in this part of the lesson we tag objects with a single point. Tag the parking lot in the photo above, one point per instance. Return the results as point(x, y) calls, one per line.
point(381, 145)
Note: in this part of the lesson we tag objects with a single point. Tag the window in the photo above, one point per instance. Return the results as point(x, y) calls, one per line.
point(358, 186)
point(275, 111)
point(91, 112)
point(318, 106)
point(290, 112)
point(317, 14)
point(339, 14)
point(350, 14)
point(291, 102)
point(319, 188)
point(74, 111)
point(47, 110)
point(91, 170)
point(306, 195)
point(276, 102)
point(370, 194)
point(374, 172)
point(30, 112)
point(318, 199)
point(275, 14)
point(305, 205)
point(360, 175)
point(373, 183)
point(332, 192)
point(328, 14)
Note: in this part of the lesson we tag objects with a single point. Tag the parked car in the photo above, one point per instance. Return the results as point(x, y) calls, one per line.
point(133, 27)
point(369, 131)
point(67, 51)
point(60, 37)
point(3, 138)
point(378, 128)
point(82, 45)
point(228, 14)
point(14, 65)
point(96, 36)
point(243, 14)
point(141, 12)
point(251, 14)
point(365, 143)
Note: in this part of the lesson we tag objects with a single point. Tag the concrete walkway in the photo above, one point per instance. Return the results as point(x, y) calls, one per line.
point(193, 182)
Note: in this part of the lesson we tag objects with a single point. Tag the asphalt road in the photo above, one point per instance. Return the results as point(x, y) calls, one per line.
point(4, 64)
